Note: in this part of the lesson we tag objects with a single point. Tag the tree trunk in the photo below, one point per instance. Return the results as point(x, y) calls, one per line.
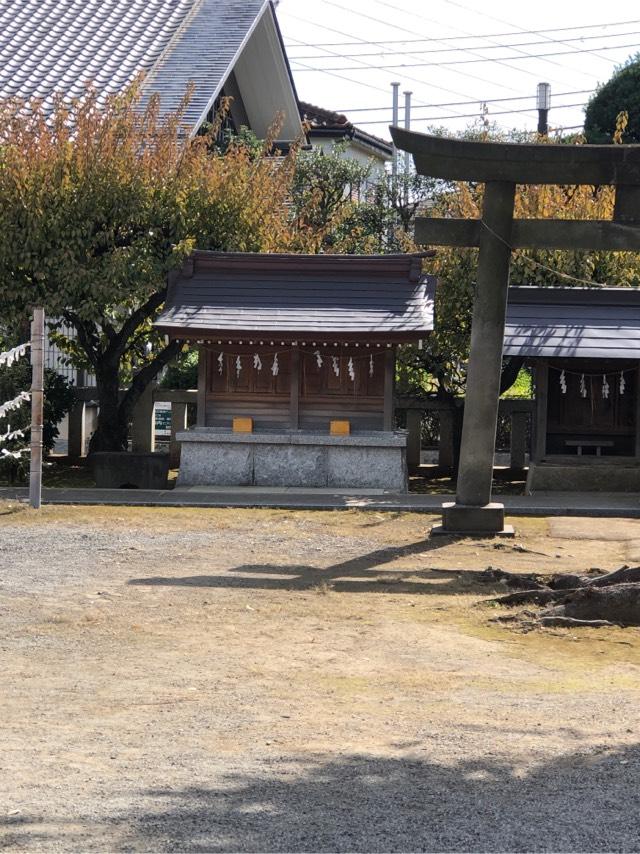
point(116, 410)
point(112, 431)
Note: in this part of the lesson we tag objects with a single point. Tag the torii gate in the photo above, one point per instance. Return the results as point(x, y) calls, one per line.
point(501, 166)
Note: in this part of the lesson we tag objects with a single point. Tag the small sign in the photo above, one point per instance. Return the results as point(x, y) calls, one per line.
point(162, 415)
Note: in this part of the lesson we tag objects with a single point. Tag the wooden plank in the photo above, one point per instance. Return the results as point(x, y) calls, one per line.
point(389, 388)
point(76, 430)
point(534, 234)
point(627, 205)
point(203, 359)
point(294, 395)
point(637, 414)
point(438, 231)
point(540, 422)
point(519, 163)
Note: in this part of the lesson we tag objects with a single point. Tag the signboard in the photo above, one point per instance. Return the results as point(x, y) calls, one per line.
point(162, 420)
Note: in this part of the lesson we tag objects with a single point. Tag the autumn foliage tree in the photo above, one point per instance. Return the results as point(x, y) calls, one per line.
point(100, 201)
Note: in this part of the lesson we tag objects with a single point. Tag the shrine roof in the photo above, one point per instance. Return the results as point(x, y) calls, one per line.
point(578, 322)
point(329, 297)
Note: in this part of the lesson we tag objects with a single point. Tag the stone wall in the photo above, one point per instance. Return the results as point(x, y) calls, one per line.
point(296, 459)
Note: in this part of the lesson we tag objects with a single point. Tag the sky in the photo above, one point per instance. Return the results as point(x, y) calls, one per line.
point(455, 56)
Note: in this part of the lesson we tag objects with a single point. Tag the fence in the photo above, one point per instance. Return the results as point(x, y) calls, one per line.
point(433, 417)
point(514, 429)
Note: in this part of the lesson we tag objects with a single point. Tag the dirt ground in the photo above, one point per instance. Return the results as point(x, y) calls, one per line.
point(238, 680)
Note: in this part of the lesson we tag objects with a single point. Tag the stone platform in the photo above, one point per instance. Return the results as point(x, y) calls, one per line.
point(586, 474)
point(297, 458)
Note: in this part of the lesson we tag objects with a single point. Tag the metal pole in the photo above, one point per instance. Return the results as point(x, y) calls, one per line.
point(394, 121)
point(543, 103)
point(37, 407)
point(407, 155)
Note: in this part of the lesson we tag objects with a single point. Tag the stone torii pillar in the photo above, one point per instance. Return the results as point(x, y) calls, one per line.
point(500, 166)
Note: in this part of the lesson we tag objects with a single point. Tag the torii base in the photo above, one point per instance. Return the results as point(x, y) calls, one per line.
point(460, 520)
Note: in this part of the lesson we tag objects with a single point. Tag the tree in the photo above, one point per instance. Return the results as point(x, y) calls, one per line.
point(325, 192)
point(100, 201)
point(619, 94)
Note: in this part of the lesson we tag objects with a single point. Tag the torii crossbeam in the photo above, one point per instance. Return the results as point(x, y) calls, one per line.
point(501, 166)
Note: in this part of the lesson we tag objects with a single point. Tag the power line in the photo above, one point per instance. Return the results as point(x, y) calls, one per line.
point(441, 40)
point(441, 63)
point(514, 26)
point(380, 88)
point(469, 115)
point(474, 47)
point(415, 79)
point(350, 110)
point(375, 68)
point(478, 35)
point(462, 6)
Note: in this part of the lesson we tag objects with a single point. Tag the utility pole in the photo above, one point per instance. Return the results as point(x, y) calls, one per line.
point(543, 103)
point(407, 155)
point(37, 407)
point(394, 121)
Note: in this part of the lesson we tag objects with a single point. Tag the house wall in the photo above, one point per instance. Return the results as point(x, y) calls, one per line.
point(263, 81)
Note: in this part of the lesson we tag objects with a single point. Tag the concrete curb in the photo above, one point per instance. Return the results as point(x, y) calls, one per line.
point(622, 505)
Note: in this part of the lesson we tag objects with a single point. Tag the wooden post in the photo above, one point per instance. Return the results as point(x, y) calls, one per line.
point(294, 394)
point(636, 449)
point(446, 455)
point(201, 415)
point(540, 418)
point(389, 389)
point(143, 427)
point(518, 448)
point(178, 424)
point(37, 407)
point(77, 430)
point(414, 439)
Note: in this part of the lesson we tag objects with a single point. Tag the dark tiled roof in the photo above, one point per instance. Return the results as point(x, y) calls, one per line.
point(329, 123)
point(326, 296)
point(549, 322)
point(49, 46)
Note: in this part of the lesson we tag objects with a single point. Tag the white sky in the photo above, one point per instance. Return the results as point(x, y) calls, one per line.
point(495, 45)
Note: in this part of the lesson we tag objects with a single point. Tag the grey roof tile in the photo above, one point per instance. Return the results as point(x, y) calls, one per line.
point(550, 322)
point(319, 295)
point(60, 46)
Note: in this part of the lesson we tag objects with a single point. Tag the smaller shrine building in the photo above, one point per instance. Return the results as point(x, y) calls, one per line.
point(583, 344)
point(297, 366)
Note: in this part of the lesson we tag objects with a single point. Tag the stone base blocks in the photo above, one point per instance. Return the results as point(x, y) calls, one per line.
point(466, 520)
point(372, 460)
point(591, 474)
point(126, 470)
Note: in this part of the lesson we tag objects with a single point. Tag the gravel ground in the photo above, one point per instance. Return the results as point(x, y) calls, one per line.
point(182, 680)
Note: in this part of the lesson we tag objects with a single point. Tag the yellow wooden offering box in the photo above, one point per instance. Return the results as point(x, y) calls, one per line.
point(340, 428)
point(243, 425)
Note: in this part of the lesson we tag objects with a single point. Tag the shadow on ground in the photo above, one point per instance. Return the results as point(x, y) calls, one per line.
point(582, 802)
point(362, 574)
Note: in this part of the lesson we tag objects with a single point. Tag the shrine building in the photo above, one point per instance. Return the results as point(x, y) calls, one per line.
point(297, 366)
point(584, 347)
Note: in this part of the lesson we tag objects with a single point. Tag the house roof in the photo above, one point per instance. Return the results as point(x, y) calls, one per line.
point(329, 297)
point(49, 46)
point(335, 125)
point(550, 322)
